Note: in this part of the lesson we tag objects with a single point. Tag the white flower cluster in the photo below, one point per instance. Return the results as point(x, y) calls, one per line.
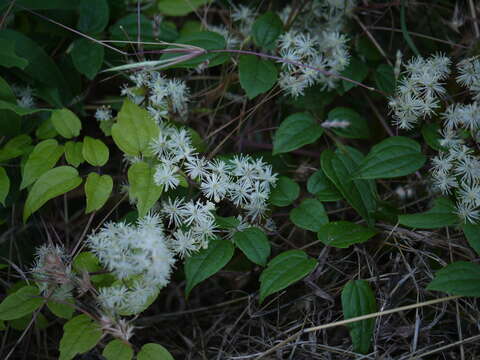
point(419, 90)
point(456, 169)
point(24, 96)
point(314, 40)
point(162, 97)
point(243, 181)
point(103, 113)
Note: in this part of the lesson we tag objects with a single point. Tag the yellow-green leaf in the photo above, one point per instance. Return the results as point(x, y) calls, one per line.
point(80, 334)
point(142, 187)
point(66, 123)
point(94, 151)
point(97, 189)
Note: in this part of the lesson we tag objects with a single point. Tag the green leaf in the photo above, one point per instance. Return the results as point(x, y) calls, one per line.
point(266, 29)
point(442, 214)
point(179, 7)
point(94, 151)
point(310, 215)
point(296, 131)
point(134, 129)
point(64, 309)
point(142, 187)
point(46, 130)
point(342, 234)
point(472, 233)
point(97, 189)
point(80, 334)
point(6, 92)
point(4, 105)
point(431, 135)
point(94, 15)
point(356, 70)
point(358, 299)
point(393, 157)
point(43, 157)
point(319, 185)
point(284, 270)
point(358, 125)
point(118, 350)
point(8, 57)
point(15, 147)
point(87, 57)
point(154, 352)
point(88, 262)
point(385, 78)
point(285, 192)
point(4, 185)
point(230, 222)
point(339, 166)
point(206, 262)
point(127, 28)
point(459, 278)
point(22, 302)
point(66, 123)
point(254, 244)
point(256, 75)
point(53, 183)
point(206, 40)
point(73, 153)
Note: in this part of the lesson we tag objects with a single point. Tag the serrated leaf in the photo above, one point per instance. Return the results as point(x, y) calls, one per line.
point(134, 129)
point(320, 185)
point(94, 15)
point(296, 131)
point(358, 299)
point(440, 215)
point(22, 302)
point(154, 352)
point(357, 125)
point(285, 192)
point(53, 183)
point(63, 309)
point(206, 262)
point(15, 147)
point(254, 244)
point(309, 215)
point(97, 190)
point(459, 278)
point(256, 75)
point(94, 151)
point(142, 187)
point(393, 157)
point(8, 57)
point(4, 185)
point(342, 234)
point(118, 350)
point(73, 153)
point(179, 7)
point(66, 123)
point(355, 70)
point(472, 233)
point(284, 270)
point(339, 167)
point(87, 57)
point(266, 29)
point(385, 78)
point(43, 157)
point(80, 334)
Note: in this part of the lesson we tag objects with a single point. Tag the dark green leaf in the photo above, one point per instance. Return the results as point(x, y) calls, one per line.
point(63, 309)
point(80, 334)
point(442, 214)
point(254, 244)
point(296, 131)
point(310, 215)
point(472, 233)
point(358, 299)
point(206, 262)
point(266, 29)
point(393, 157)
point(22, 302)
point(4, 185)
point(256, 75)
point(15, 147)
point(118, 350)
point(286, 191)
point(459, 278)
point(8, 57)
point(87, 57)
point(319, 185)
point(342, 234)
point(385, 78)
point(356, 70)
point(94, 15)
point(179, 7)
point(431, 135)
point(357, 125)
point(284, 270)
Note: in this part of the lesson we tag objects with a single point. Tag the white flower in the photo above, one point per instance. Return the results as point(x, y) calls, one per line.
point(103, 113)
point(214, 186)
point(196, 167)
point(166, 175)
point(467, 212)
point(172, 210)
